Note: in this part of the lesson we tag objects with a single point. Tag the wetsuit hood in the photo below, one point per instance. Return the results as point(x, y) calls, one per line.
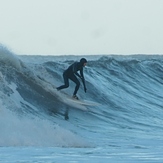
point(83, 60)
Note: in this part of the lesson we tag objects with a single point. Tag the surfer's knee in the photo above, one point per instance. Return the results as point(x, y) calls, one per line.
point(66, 85)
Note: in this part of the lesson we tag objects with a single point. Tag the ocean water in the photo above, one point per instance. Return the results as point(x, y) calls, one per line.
point(126, 126)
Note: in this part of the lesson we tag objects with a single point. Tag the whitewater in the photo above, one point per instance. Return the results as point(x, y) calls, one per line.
point(38, 125)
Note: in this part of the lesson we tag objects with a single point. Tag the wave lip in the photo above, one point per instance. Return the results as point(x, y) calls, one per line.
point(9, 58)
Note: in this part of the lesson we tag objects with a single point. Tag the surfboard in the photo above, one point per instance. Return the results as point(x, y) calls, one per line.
point(80, 104)
point(84, 102)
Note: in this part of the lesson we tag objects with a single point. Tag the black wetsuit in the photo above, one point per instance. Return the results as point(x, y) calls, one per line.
point(71, 74)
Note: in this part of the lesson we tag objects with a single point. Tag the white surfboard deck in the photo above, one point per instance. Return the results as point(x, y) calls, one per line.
point(80, 104)
point(83, 102)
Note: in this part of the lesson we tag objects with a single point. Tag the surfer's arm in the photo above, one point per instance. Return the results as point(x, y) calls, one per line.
point(74, 68)
point(77, 75)
point(83, 80)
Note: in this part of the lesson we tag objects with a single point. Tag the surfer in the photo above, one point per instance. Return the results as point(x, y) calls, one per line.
point(71, 73)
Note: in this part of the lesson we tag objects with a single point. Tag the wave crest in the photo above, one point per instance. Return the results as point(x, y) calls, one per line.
point(8, 58)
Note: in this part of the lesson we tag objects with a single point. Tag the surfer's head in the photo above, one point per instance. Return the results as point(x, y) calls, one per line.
point(83, 61)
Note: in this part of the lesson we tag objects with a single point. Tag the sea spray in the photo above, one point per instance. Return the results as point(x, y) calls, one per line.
point(9, 58)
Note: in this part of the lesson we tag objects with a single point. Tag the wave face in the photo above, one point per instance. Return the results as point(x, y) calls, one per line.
point(128, 89)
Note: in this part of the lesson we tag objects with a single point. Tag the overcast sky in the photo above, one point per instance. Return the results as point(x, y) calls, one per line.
point(82, 26)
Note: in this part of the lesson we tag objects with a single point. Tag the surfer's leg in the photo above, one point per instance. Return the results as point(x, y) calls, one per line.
point(66, 85)
point(76, 81)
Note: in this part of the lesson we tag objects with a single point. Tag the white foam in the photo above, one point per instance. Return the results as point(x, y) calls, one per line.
point(26, 131)
point(9, 57)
